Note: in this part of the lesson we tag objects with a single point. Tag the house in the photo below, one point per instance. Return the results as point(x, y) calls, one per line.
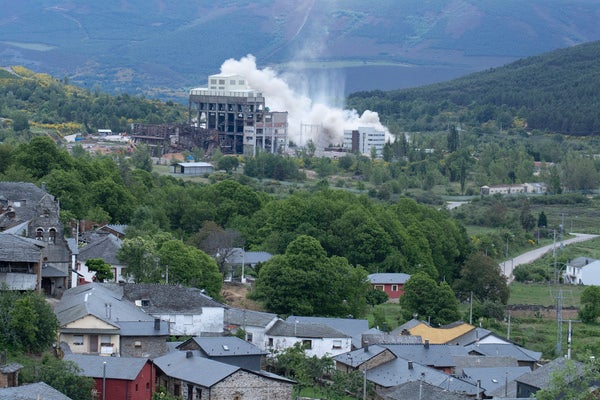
point(385, 369)
point(95, 319)
point(478, 335)
point(351, 327)
point(418, 390)
point(188, 311)
point(237, 257)
point(104, 247)
point(29, 211)
point(490, 379)
point(582, 271)
point(32, 391)
point(524, 357)
point(537, 187)
point(20, 262)
point(254, 323)
point(190, 375)
point(528, 384)
point(117, 230)
point(317, 339)
point(9, 373)
point(391, 283)
point(227, 349)
point(124, 378)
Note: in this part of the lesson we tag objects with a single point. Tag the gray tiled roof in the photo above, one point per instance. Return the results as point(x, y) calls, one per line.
point(238, 256)
point(195, 369)
point(506, 350)
point(10, 368)
point(493, 378)
point(292, 329)
point(168, 298)
point(398, 372)
point(119, 228)
point(143, 328)
point(99, 300)
point(473, 336)
point(358, 357)
point(437, 355)
point(351, 327)
point(388, 278)
point(18, 248)
point(105, 248)
point(405, 326)
point(540, 377)
point(25, 192)
point(472, 361)
point(32, 391)
point(124, 368)
point(226, 346)
point(49, 271)
point(417, 390)
point(73, 248)
point(241, 317)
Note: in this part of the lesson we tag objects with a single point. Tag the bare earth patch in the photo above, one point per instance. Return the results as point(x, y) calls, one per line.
point(234, 294)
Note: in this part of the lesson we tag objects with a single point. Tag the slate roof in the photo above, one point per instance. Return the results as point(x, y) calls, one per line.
point(476, 335)
point(20, 249)
point(351, 327)
point(358, 357)
point(388, 278)
point(105, 248)
point(398, 372)
point(238, 256)
point(143, 328)
point(540, 377)
point(506, 350)
point(240, 317)
point(387, 338)
point(225, 346)
point(123, 368)
point(10, 368)
point(26, 193)
point(72, 244)
point(292, 329)
point(168, 298)
point(437, 355)
point(49, 271)
point(493, 378)
point(417, 390)
point(92, 299)
point(472, 361)
point(202, 371)
point(178, 365)
point(32, 391)
point(118, 228)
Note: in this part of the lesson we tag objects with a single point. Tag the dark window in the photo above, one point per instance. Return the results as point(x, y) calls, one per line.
point(176, 389)
point(270, 342)
point(307, 344)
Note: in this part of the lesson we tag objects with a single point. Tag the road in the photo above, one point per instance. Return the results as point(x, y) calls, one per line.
point(525, 258)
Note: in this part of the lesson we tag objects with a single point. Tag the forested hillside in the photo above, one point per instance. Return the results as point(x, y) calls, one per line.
point(558, 92)
point(30, 98)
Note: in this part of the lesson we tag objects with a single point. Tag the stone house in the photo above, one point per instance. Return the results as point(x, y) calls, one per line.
point(227, 349)
point(189, 375)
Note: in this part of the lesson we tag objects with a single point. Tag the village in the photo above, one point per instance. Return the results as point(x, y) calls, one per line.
point(122, 334)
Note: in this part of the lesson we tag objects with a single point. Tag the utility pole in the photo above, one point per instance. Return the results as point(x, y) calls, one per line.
point(559, 304)
point(471, 310)
point(508, 329)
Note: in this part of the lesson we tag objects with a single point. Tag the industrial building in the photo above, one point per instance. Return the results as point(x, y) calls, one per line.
point(363, 139)
point(227, 115)
point(238, 114)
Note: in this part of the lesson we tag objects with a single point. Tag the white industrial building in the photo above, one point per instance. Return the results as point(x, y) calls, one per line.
point(363, 139)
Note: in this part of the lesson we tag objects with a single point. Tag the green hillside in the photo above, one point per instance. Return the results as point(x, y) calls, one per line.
point(557, 91)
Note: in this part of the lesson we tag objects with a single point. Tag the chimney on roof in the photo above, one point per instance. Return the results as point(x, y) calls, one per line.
point(410, 365)
point(157, 324)
point(426, 343)
point(189, 354)
point(366, 346)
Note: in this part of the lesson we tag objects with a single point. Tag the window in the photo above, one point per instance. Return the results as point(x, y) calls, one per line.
point(39, 234)
point(213, 81)
point(337, 344)
point(232, 81)
point(52, 237)
point(221, 81)
point(136, 387)
point(145, 303)
point(176, 389)
point(378, 287)
point(248, 337)
point(188, 320)
point(78, 340)
point(270, 342)
point(394, 288)
point(105, 341)
point(307, 344)
point(241, 82)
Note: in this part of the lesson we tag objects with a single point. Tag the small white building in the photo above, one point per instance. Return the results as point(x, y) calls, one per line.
point(317, 339)
point(363, 139)
point(193, 168)
point(582, 271)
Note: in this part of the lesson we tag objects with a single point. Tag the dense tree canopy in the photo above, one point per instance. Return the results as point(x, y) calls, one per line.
point(427, 300)
point(305, 281)
point(482, 276)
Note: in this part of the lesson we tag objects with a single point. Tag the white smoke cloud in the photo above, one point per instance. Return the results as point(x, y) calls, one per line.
point(302, 110)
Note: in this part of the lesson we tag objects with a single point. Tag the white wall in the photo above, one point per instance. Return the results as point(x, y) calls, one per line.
point(320, 346)
point(210, 321)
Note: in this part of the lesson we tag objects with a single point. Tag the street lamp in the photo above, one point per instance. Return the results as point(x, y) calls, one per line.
point(104, 380)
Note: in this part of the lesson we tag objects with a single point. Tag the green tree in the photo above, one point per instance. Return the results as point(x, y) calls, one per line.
point(102, 269)
point(453, 139)
point(376, 297)
point(190, 267)
point(20, 122)
point(527, 219)
point(542, 220)
point(482, 276)
point(590, 304)
point(140, 254)
point(304, 281)
point(571, 380)
point(64, 376)
point(424, 298)
point(228, 163)
point(40, 156)
point(141, 158)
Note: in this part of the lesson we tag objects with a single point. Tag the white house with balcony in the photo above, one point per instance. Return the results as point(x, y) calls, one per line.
point(582, 271)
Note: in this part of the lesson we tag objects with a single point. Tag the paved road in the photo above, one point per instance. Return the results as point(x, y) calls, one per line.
point(525, 258)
